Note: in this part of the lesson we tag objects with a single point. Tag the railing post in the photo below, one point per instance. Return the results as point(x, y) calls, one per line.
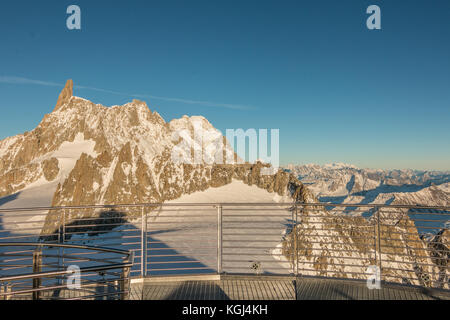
point(63, 234)
point(296, 240)
point(60, 229)
point(143, 242)
point(64, 226)
point(124, 286)
point(6, 289)
point(61, 240)
point(37, 262)
point(375, 237)
point(379, 240)
point(219, 239)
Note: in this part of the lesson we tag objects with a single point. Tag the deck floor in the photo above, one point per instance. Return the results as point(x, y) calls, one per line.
point(248, 288)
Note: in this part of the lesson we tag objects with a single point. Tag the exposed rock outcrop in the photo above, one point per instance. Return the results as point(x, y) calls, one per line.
point(50, 167)
point(65, 95)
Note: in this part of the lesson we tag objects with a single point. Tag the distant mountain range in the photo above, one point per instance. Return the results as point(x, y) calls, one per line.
point(345, 183)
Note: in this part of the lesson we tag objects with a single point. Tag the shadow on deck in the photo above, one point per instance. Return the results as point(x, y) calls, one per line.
point(246, 287)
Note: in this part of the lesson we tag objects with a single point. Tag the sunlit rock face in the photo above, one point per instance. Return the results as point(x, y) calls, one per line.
point(92, 154)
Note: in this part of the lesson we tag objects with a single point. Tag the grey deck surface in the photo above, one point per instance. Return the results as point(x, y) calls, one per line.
point(250, 288)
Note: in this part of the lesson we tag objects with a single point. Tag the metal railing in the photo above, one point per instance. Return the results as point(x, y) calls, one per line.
point(408, 244)
point(40, 271)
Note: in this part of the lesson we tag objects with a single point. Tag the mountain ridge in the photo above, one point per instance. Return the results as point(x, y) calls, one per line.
point(122, 154)
point(343, 183)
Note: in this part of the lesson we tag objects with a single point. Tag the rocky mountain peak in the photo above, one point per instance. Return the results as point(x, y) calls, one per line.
point(121, 154)
point(65, 95)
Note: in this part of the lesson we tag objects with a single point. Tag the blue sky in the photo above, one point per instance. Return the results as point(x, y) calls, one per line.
point(337, 91)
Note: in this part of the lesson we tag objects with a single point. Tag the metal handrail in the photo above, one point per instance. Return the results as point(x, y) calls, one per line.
point(296, 218)
point(60, 245)
point(40, 275)
point(37, 276)
point(230, 204)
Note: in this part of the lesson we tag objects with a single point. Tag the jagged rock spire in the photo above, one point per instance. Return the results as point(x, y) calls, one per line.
point(65, 94)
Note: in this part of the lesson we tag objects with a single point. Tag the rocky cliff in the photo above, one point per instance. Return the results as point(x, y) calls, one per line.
point(123, 155)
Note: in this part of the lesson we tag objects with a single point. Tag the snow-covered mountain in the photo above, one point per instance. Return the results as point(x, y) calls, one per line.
point(84, 153)
point(121, 154)
point(343, 183)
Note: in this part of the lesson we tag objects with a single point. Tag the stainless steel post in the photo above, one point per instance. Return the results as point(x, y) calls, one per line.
point(145, 242)
point(37, 262)
point(124, 285)
point(296, 240)
point(219, 239)
point(143, 256)
point(379, 240)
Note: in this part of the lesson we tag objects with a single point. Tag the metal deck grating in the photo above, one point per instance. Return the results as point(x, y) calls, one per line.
point(281, 288)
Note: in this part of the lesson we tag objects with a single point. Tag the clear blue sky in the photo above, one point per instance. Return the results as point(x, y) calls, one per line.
point(337, 91)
